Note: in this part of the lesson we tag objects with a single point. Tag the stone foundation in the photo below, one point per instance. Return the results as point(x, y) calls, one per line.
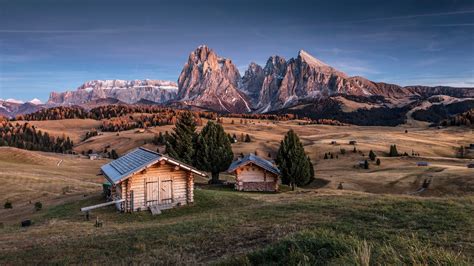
point(256, 186)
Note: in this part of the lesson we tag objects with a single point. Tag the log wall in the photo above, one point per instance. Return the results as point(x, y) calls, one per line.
point(182, 188)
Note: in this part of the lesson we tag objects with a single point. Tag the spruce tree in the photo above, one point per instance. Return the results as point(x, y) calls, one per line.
point(181, 143)
point(372, 155)
point(393, 151)
point(378, 161)
point(114, 155)
point(213, 150)
point(366, 164)
point(293, 162)
point(247, 138)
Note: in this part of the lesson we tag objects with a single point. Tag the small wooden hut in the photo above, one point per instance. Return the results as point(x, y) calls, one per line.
point(149, 180)
point(253, 173)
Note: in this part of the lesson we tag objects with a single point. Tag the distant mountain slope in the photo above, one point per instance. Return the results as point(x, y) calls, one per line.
point(286, 83)
point(303, 85)
point(11, 108)
point(126, 91)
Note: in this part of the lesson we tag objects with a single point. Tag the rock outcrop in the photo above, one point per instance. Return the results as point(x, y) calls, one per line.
point(126, 91)
point(211, 82)
point(286, 83)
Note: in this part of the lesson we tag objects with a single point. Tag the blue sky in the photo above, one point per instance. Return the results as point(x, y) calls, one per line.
point(58, 45)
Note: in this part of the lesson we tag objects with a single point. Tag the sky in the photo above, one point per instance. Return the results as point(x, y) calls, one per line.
point(58, 45)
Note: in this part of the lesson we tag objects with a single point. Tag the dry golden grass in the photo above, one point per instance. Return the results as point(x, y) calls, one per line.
point(262, 219)
point(395, 175)
point(74, 128)
point(28, 177)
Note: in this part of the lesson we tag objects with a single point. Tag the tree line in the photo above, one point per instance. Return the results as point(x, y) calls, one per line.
point(463, 119)
point(26, 136)
point(105, 112)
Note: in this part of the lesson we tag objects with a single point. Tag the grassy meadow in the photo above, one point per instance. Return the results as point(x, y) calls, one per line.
point(234, 228)
point(373, 220)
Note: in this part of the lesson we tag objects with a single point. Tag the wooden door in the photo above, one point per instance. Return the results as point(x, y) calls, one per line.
point(152, 191)
point(166, 191)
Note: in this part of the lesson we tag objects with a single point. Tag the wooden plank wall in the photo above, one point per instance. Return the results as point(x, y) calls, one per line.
point(160, 171)
point(253, 173)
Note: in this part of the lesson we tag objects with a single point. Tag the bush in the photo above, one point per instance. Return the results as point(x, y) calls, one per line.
point(8, 205)
point(38, 206)
point(372, 155)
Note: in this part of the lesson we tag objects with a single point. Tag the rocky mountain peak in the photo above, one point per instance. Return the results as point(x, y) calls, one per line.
point(210, 81)
point(311, 60)
point(252, 82)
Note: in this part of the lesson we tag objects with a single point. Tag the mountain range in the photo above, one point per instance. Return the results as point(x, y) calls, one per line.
point(211, 82)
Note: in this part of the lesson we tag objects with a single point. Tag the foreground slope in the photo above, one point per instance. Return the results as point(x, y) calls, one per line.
point(242, 228)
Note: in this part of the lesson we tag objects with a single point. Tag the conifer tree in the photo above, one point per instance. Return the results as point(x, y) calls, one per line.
point(181, 143)
point(114, 155)
point(378, 161)
point(213, 150)
point(372, 155)
point(393, 151)
point(247, 138)
point(366, 164)
point(293, 162)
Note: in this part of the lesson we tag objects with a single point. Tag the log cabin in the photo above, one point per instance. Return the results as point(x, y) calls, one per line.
point(149, 180)
point(253, 173)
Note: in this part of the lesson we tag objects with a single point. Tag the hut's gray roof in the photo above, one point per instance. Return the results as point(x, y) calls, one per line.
point(255, 160)
point(135, 161)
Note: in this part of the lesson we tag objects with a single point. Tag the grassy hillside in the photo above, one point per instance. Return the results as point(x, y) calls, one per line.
point(229, 227)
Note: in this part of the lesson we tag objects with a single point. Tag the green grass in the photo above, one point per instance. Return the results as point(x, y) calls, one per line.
point(228, 227)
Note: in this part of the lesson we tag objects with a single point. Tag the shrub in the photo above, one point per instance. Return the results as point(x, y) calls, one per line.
point(38, 206)
point(8, 205)
point(372, 155)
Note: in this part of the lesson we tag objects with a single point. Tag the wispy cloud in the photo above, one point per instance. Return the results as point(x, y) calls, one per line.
point(455, 25)
point(355, 67)
point(428, 61)
point(451, 13)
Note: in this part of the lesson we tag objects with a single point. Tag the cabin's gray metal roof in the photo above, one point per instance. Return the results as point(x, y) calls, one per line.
point(135, 161)
point(267, 165)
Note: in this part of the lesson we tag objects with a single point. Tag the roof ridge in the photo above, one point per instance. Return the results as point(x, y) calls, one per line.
point(150, 151)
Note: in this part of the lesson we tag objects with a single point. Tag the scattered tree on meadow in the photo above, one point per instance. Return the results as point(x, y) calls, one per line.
point(38, 206)
point(213, 150)
point(114, 155)
point(294, 165)
point(378, 161)
point(181, 143)
point(461, 152)
point(247, 138)
point(8, 205)
point(393, 151)
point(372, 155)
point(366, 164)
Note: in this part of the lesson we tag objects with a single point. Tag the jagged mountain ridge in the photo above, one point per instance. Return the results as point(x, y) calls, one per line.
point(210, 81)
point(288, 82)
point(130, 92)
